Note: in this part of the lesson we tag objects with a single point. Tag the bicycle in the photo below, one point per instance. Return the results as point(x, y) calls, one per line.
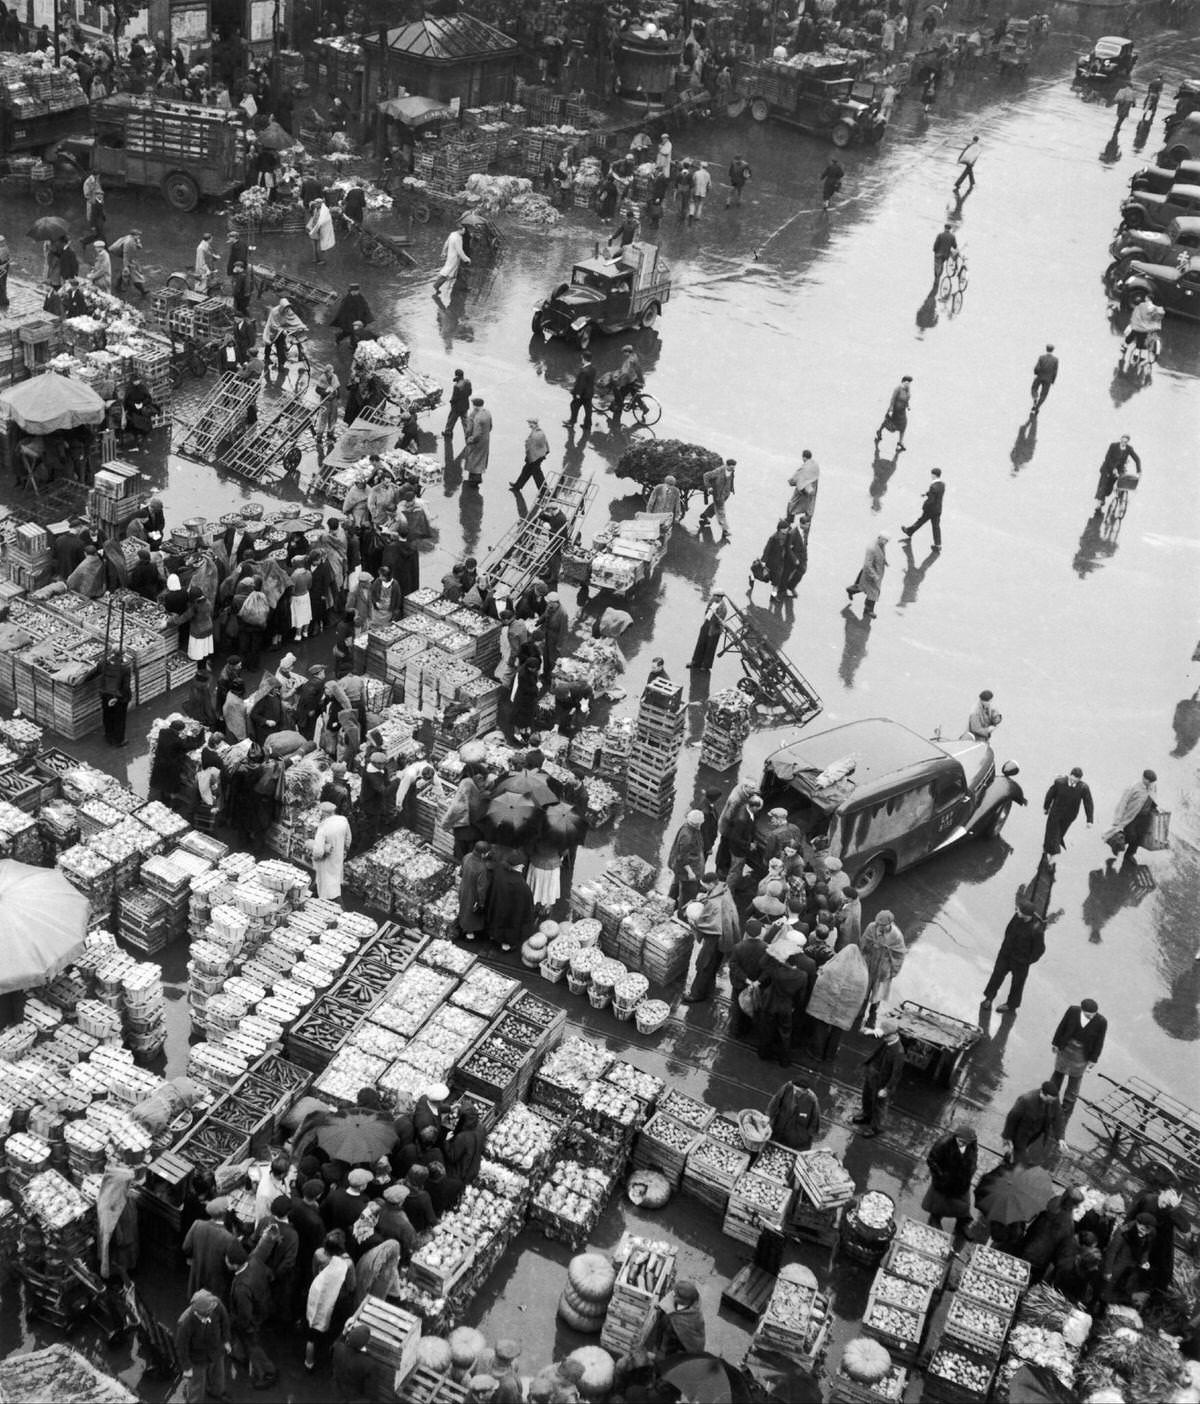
point(953, 282)
point(643, 409)
point(1118, 502)
point(297, 368)
point(1141, 359)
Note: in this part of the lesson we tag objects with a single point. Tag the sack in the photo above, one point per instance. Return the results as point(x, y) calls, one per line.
point(758, 569)
point(1158, 835)
point(254, 612)
point(750, 1000)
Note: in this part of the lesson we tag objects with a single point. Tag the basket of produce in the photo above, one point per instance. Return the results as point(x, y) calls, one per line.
point(628, 993)
point(651, 1015)
point(868, 1226)
point(956, 1373)
point(754, 1128)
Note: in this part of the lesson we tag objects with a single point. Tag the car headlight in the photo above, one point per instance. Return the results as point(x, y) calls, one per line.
point(579, 323)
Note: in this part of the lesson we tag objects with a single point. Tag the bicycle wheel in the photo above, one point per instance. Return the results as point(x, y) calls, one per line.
point(1120, 504)
point(946, 286)
point(649, 411)
point(962, 277)
point(956, 302)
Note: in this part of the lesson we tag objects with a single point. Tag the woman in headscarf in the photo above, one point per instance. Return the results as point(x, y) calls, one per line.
point(385, 598)
point(330, 1295)
point(883, 950)
point(474, 879)
point(289, 682)
point(527, 686)
point(1133, 816)
point(377, 1273)
point(175, 602)
point(199, 625)
point(88, 576)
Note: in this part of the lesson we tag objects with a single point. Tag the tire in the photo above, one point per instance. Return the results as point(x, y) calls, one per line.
point(1133, 217)
point(180, 191)
point(651, 410)
point(291, 459)
point(759, 109)
point(945, 286)
point(995, 825)
point(650, 315)
point(870, 876)
point(1174, 154)
point(842, 135)
point(43, 194)
point(538, 324)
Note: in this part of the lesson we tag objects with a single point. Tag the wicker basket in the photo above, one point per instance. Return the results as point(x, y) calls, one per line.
point(600, 997)
point(755, 1129)
point(550, 973)
point(651, 1015)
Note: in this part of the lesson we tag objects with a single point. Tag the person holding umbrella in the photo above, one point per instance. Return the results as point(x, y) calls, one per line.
point(1010, 1197)
point(1034, 1126)
point(509, 910)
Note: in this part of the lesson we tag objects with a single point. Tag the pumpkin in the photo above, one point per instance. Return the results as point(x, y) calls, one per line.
point(592, 1276)
point(549, 929)
point(581, 1305)
point(577, 1321)
point(434, 1353)
point(533, 952)
point(598, 1371)
point(648, 1189)
point(466, 1346)
point(866, 1361)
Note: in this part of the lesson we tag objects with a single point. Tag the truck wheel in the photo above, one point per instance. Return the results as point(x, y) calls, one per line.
point(994, 826)
point(649, 316)
point(180, 191)
point(868, 878)
point(585, 338)
point(537, 326)
point(759, 109)
point(43, 194)
point(842, 134)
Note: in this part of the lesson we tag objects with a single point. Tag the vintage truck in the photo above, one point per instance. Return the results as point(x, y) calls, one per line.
point(184, 149)
point(607, 294)
point(821, 97)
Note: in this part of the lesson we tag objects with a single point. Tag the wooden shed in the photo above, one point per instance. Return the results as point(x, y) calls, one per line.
point(445, 57)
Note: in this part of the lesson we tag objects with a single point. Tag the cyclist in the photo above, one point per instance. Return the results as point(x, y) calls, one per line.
point(629, 380)
point(282, 325)
point(1145, 321)
point(1117, 459)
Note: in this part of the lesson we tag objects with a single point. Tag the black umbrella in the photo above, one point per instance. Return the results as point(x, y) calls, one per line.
point(561, 825)
point(512, 817)
point(49, 227)
point(702, 1378)
point(529, 783)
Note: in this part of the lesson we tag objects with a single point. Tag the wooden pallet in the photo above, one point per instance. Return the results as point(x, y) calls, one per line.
point(263, 451)
point(220, 420)
point(749, 1292)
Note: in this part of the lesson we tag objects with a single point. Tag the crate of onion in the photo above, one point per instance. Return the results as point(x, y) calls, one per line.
point(755, 1203)
point(956, 1373)
point(496, 1069)
point(970, 1323)
point(712, 1170)
point(664, 1145)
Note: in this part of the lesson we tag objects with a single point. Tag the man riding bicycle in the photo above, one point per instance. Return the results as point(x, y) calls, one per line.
point(1146, 320)
point(281, 325)
point(629, 380)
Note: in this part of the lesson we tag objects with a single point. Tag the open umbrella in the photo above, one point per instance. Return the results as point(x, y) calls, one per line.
point(43, 921)
point(50, 402)
point(702, 1378)
point(528, 783)
point(562, 825)
point(357, 1137)
point(1017, 1195)
point(416, 111)
point(49, 227)
point(511, 817)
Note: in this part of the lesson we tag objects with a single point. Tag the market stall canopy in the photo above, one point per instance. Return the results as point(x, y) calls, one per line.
point(446, 39)
point(51, 402)
point(416, 111)
point(43, 922)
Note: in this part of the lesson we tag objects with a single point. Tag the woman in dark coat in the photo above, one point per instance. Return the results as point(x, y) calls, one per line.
point(463, 1150)
point(508, 915)
point(474, 880)
point(139, 412)
point(779, 558)
point(705, 652)
point(200, 705)
point(1051, 1237)
point(952, 1163)
point(526, 690)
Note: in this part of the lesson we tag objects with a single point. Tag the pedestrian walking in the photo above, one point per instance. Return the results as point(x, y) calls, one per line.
point(1045, 373)
point(319, 229)
point(714, 921)
point(100, 274)
point(783, 987)
point(583, 390)
point(1033, 1128)
point(1064, 799)
point(985, 718)
point(1133, 816)
point(883, 949)
point(685, 860)
point(93, 204)
point(739, 174)
point(718, 486)
point(1024, 944)
point(777, 559)
point(966, 159)
point(454, 259)
point(895, 421)
point(1153, 92)
point(831, 180)
point(665, 499)
point(705, 652)
point(701, 185)
point(330, 845)
point(460, 405)
point(952, 1163)
point(795, 1115)
point(869, 580)
point(1124, 100)
point(887, 100)
point(201, 1345)
point(804, 483)
point(479, 438)
point(931, 510)
point(1078, 1043)
point(537, 446)
point(1116, 457)
point(127, 272)
point(929, 91)
point(944, 244)
point(882, 1070)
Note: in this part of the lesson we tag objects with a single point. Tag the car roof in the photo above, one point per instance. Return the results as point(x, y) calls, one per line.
point(883, 750)
point(1185, 224)
point(1111, 45)
point(1187, 192)
point(1166, 272)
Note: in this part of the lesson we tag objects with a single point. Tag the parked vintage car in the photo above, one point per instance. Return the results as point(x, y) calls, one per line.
point(607, 294)
point(1111, 58)
point(1145, 210)
point(1175, 286)
point(1187, 101)
point(1159, 179)
point(1181, 236)
point(1182, 141)
point(887, 798)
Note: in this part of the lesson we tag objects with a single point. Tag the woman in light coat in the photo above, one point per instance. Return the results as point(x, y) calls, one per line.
point(330, 844)
point(479, 439)
point(319, 229)
point(883, 950)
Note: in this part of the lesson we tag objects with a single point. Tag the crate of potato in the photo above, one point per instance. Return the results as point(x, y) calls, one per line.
point(970, 1323)
point(998, 1264)
point(991, 1292)
point(756, 1203)
point(664, 1144)
point(955, 1373)
point(712, 1170)
point(897, 1327)
point(902, 1261)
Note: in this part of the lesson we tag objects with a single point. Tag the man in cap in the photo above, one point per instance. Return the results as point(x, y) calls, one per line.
point(1064, 799)
point(1078, 1042)
point(665, 499)
point(418, 1205)
point(583, 390)
point(627, 382)
point(551, 633)
point(718, 486)
point(277, 1247)
point(952, 1163)
point(508, 1381)
point(249, 1309)
point(201, 1345)
point(352, 1366)
point(686, 859)
point(336, 790)
point(882, 1071)
point(344, 1205)
point(352, 308)
point(537, 446)
point(679, 1328)
point(483, 1389)
point(1034, 1126)
point(714, 921)
point(869, 580)
point(985, 718)
point(794, 1114)
point(394, 1223)
point(745, 967)
point(205, 1245)
point(305, 1217)
point(1024, 945)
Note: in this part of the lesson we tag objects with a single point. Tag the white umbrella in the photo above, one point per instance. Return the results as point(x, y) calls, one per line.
point(43, 922)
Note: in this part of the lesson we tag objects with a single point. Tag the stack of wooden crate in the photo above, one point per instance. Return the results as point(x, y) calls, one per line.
point(657, 742)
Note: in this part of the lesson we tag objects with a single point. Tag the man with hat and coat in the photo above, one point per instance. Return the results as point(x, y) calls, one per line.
point(1064, 799)
point(883, 1069)
point(1078, 1042)
point(205, 1245)
point(201, 1344)
point(679, 1330)
point(952, 1164)
point(1034, 1126)
point(352, 308)
point(1024, 945)
point(714, 921)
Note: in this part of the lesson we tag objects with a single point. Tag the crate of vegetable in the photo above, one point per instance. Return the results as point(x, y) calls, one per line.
point(664, 1145)
point(712, 1170)
point(569, 1203)
point(823, 1178)
point(796, 1321)
point(970, 1323)
point(989, 1291)
point(933, 1242)
point(494, 1068)
point(955, 1373)
point(899, 1291)
point(756, 1203)
point(645, 1275)
point(998, 1264)
point(547, 1018)
point(441, 1261)
point(523, 1140)
point(610, 1110)
point(776, 1162)
point(685, 1109)
point(903, 1261)
point(888, 1389)
point(894, 1326)
point(643, 1085)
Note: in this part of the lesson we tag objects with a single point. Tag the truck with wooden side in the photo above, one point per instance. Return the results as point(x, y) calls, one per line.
point(607, 293)
point(186, 150)
point(820, 96)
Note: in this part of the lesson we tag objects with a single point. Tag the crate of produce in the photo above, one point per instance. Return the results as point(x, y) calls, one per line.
point(956, 1373)
point(823, 1179)
point(998, 1264)
point(894, 1326)
point(610, 1110)
point(686, 1110)
point(524, 1139)
point(776, 1162)
point(899, 1291)
point(425, 1386)
point(712, 1170)
point(933, 1242)
point(645, 1275)
point(970, 1323)
point(756, 1203)
point(796, 1322)
point(889, 1390)
point(664, 1144)
point(569, 1202)
point(918, 1267)
point(993, 1292)
point(644, 1086)
point(812, 1225)
point(442, 1261)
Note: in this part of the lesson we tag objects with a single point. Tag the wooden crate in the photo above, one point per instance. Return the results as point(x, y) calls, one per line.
point(910, 1263)
point(631, 1307)
point(755, 1204)
point(987, 1341)
point(426, 1386)
point(954, 1391)
point(902, 1346)
point(848, 1391)
point(652, 1152)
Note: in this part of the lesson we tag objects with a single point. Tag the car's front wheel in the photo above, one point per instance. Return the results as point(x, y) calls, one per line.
point(842, 134)
point(868, 877)
point(995, 824)
point(538, 324)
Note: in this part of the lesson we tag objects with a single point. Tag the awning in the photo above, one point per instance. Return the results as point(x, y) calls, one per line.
point(50, 402)
point(416, 111)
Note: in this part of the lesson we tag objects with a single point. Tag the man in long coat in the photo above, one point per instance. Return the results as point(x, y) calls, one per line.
point(1064, 799)
point(509, 916)
point(686, 858)
point(479, 439)
point(205, 1246)
point(869, 581)
point(716, 931)
point(330, 844)
point(1034, 1125)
